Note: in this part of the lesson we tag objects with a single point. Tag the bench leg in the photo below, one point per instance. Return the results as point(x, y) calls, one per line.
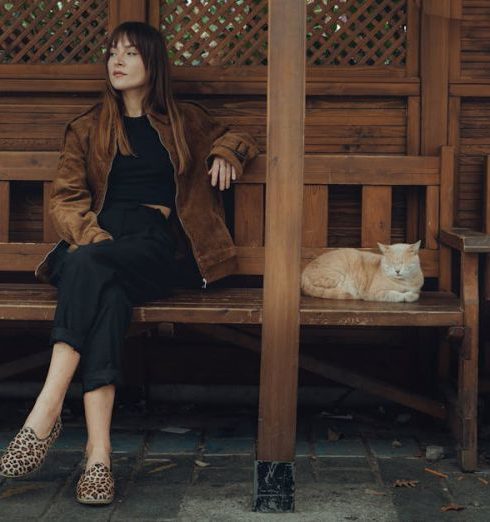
point(468, 401)
point(464, 410)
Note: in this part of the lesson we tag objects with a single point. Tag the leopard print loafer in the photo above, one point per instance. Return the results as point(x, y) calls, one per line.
point(96, 485)
point(27, 452)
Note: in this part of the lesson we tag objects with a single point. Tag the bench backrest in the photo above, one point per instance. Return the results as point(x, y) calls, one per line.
point(426, 183)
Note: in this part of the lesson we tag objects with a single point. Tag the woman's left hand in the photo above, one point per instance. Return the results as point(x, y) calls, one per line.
point(222, 170)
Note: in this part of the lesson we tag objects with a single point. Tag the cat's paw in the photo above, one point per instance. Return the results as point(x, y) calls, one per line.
point(392, 296)
point(410, 297)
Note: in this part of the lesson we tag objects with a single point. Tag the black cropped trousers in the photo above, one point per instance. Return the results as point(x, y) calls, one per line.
point(98, 285)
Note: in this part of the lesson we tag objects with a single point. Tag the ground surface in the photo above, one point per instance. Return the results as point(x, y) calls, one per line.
point(160, 474)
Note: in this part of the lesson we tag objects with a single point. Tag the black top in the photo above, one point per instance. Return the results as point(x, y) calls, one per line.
point(147, 178)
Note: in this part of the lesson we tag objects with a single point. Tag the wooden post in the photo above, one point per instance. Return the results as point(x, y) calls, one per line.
point(127, 10)
point(485, 301)
point(274, 467)
point(434, 74)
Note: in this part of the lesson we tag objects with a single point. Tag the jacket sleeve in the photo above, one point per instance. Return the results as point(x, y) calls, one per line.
point(237, 147)
point(70, 199)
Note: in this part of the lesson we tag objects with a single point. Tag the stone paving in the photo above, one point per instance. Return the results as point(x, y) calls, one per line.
point(206, 473)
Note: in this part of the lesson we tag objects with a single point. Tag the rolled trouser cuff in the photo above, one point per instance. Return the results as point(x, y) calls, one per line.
point(59, 333)
point(101, 378)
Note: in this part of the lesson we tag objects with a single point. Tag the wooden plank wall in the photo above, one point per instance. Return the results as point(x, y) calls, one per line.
point(469, 105)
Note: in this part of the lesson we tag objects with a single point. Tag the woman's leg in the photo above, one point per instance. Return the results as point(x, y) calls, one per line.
point(98, 414)
point(64, 361)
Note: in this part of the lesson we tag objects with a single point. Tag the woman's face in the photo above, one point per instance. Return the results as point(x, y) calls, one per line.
point(126, 59)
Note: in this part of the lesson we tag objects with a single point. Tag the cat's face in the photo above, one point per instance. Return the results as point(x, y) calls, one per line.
point(400, 261)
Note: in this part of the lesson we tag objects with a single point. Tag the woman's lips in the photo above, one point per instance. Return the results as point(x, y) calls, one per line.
point(119, 74)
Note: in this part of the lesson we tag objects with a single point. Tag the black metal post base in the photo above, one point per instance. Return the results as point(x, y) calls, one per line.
point(273, 487)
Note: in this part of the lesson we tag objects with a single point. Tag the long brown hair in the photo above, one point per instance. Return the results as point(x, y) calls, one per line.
point(158, 96)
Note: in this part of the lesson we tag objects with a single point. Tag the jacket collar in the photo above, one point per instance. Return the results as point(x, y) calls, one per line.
point(164, 118)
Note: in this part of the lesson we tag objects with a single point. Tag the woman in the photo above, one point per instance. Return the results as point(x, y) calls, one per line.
point(135, 196)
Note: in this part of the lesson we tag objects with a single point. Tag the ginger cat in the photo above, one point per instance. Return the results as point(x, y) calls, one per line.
point(347, 273)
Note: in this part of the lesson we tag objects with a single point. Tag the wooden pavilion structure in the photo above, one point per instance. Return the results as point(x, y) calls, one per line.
point(377, 88)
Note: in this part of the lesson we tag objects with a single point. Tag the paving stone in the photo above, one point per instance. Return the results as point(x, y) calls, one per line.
point(57, 466)
point(72, 438)
point(218, 477)
point(229, 446)
point(447, 465)
point(239, 428)
point(345, 476)
point(21, 498)
point(342, 447)
point(348, 462)
point(304, 471)
point(302, 448)
point(468, 490)
point(171, 443)
point(383, 448)
point(126, 442)
point(237, 461)
point(150, 500)
point(423, 502)
point(173, 470)
point(237, 467)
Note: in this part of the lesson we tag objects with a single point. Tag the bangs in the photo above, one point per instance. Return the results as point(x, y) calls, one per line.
point(119, 36)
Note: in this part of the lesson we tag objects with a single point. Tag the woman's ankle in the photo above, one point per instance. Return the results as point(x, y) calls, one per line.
point(98, 448)
point(97, 454)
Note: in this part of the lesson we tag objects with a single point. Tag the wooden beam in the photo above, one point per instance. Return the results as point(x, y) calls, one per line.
point(126, 10)
point(330, 371)
point(285, 146)
point(434, 74)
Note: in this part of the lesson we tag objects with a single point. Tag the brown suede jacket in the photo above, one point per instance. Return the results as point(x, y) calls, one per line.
point(78, 190)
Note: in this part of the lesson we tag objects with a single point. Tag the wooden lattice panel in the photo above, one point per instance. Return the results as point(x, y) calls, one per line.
point(59, 31)
point(356, 32)
point(219, 32)
point(234, 32)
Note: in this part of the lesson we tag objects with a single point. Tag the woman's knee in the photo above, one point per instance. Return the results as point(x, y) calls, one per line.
point(86, 261)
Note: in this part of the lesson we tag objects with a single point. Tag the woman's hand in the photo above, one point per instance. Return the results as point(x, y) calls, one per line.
point(222, 170)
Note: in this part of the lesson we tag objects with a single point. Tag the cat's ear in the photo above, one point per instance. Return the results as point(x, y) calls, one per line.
point(383, 248)
point(415, 247)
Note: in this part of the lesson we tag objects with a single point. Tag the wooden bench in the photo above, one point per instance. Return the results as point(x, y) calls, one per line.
point(453, 312)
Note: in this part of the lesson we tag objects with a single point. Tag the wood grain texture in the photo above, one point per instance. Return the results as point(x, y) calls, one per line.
point(245, 306)
point(434, 75)
point(376, 216)
point(285, 149)
point(315, 216)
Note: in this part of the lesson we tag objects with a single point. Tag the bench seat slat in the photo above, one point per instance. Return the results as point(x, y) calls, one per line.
point(244, 306)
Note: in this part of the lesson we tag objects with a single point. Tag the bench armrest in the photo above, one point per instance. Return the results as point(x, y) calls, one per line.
point(466, 240)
